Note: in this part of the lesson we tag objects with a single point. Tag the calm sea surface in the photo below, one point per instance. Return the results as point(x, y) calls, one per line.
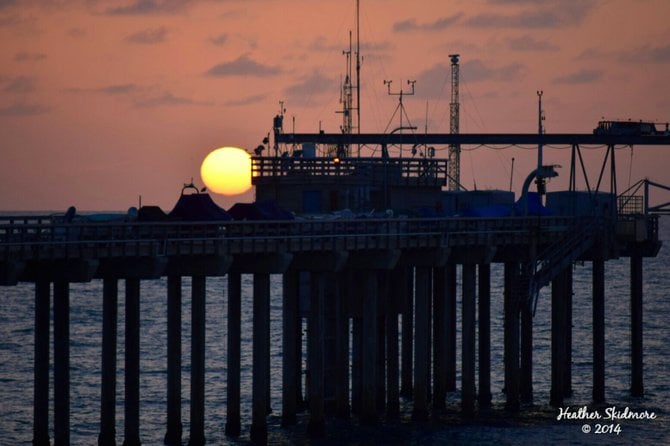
point(535, 426)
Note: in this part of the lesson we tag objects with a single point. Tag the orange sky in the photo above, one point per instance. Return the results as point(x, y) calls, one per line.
point(104, 101)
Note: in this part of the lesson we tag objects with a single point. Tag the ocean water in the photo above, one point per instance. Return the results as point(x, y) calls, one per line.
point(535, 425)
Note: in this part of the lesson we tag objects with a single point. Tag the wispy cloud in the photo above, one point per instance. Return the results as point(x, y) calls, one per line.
point(430, 83)
point(15, 20)
point(243, 66)
point(6, 4)
point(76, 33)
point(315, 84)
point(148, 36)
point(529, 43)
point(148, 7)
point(24, 109)
point(247, 100)
point(580, 77)
point(648, 54)
point(167, 99)
point(119, 89)
point(18, 85)
point(219, 40)
point(476, 71)
point(552, 15)
point(436, 25)
point(25, 56)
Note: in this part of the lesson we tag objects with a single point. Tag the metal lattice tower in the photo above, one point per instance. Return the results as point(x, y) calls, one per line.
point(454, 165)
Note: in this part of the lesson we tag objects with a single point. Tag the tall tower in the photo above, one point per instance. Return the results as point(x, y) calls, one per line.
point(454, 166)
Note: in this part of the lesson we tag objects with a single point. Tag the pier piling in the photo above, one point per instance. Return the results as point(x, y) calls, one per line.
point(110, 289)
point(484, 299)
point(197, 427)
point(61, 363)
point(259, 406)
point(407, 352)
point(233, 428)
point(290, 328)
point(41, 365)
point(342, 329)
point(315, 354)
point(637, 385)
point(559, 318)
point(132, 364)
point(422, 343)
point(468, 333)
point(368, 363)
point(598, 331)
point(395, 296)
point(511, 329)
point(526, 358)
point(450, 310)
point(174, 301)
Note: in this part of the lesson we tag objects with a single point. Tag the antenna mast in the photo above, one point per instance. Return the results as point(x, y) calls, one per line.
point(346, 96)
point(454, 166)
point(346, 99)
point(358, 73)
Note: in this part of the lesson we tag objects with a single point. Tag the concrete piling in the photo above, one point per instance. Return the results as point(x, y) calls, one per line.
point(598, 331)
point(61, 311)
point(233, 423)
point(468, 333)
point(107, 436)
point(484, 300)
point(174, 301)
point(637, 382)
point(132, 364)
point(259, 406)
point(197, 427)
point(41, 365)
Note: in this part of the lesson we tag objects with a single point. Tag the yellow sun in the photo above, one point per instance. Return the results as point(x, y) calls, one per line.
point(227, 171)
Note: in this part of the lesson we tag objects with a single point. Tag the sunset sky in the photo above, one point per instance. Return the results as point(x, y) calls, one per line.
point(103, 101)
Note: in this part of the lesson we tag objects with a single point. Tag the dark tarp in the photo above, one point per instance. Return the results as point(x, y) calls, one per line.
point(494, 210)
point(151, 213)
point(260, 210)
point(198, 207)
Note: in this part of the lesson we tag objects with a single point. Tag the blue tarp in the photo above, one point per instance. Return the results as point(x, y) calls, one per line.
point(494, 210)
point(198, 207)
point(535, 206)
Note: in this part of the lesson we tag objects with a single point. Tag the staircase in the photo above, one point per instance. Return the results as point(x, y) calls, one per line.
point(559, 256)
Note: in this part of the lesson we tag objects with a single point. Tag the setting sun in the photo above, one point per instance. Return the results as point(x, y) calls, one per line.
point(227, 171)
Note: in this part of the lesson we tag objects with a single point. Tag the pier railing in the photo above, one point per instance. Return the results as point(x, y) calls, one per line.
point(407, 170)
point(42, 237)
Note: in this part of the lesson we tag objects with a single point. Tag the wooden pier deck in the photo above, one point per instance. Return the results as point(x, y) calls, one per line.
point(363, 273)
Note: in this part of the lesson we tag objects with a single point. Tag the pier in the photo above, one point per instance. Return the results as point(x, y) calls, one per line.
point(363, 278)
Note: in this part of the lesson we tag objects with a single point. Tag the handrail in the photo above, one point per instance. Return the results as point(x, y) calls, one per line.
point(416, 169)
point(561, 253)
